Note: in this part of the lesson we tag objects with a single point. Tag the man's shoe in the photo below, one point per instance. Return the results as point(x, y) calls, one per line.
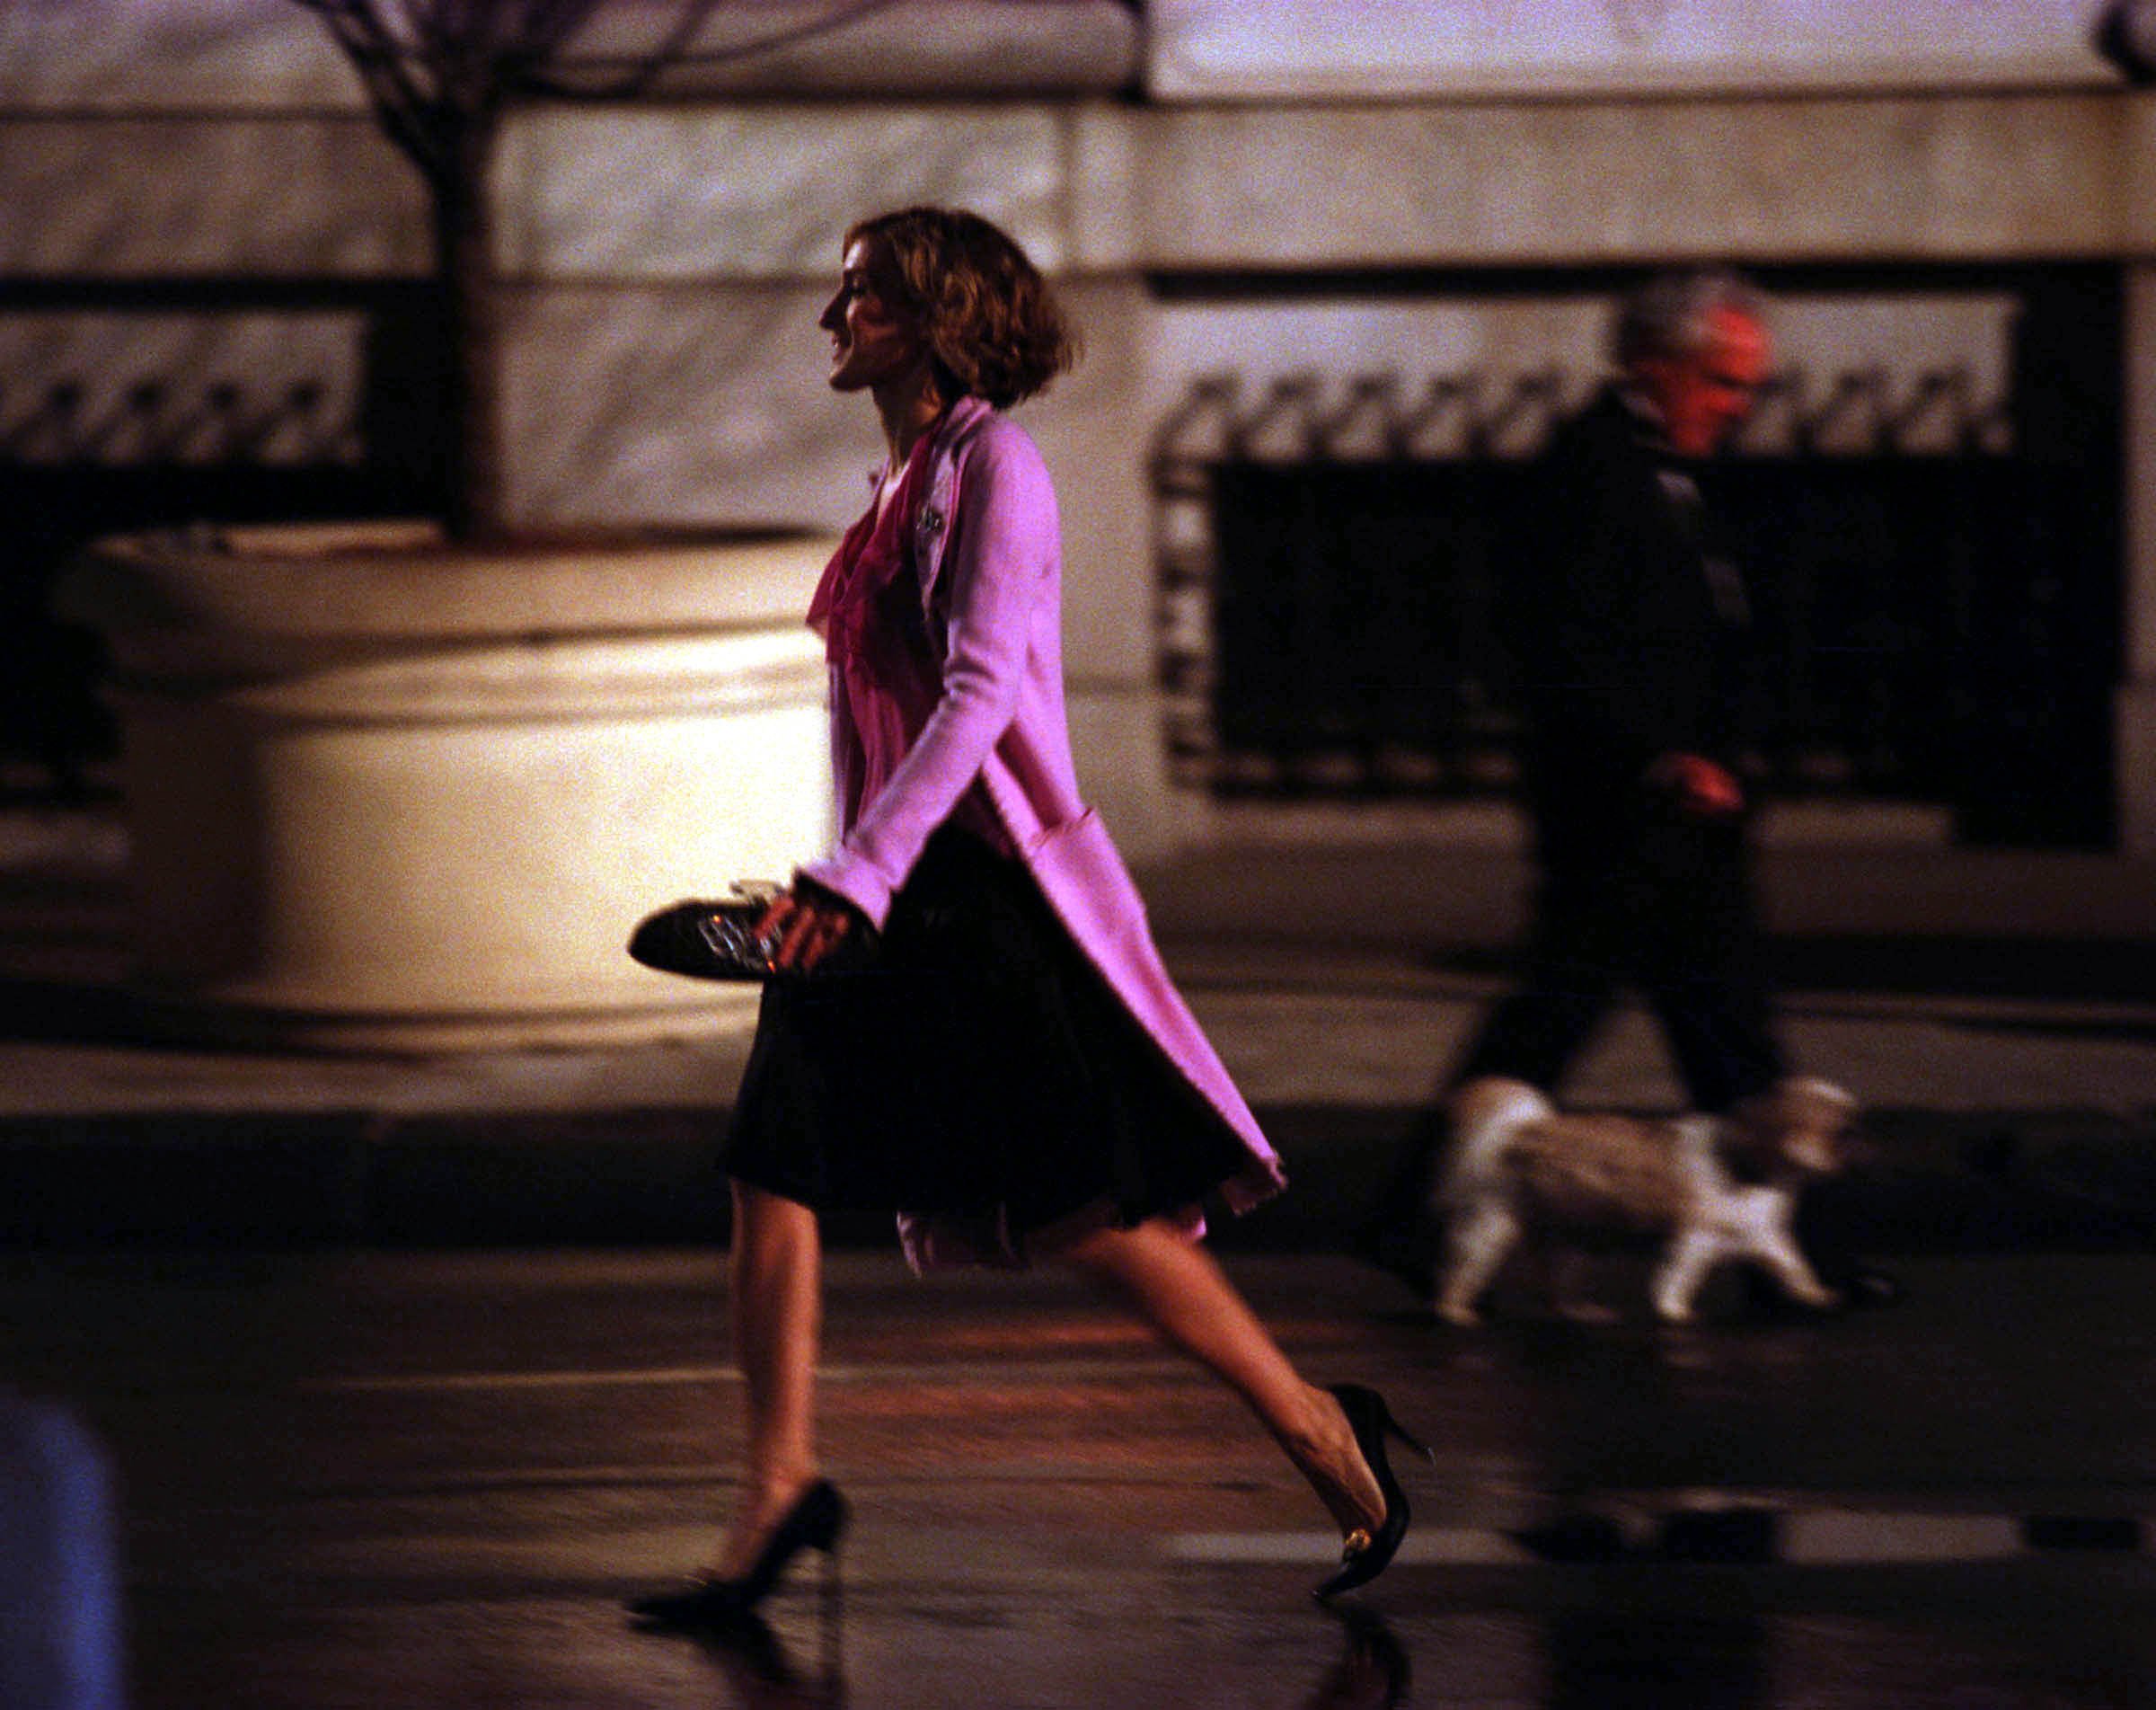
point(1407, 1253)
point(1863, 1290)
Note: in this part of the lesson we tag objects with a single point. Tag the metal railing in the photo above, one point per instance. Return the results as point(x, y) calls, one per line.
point(1328, 557)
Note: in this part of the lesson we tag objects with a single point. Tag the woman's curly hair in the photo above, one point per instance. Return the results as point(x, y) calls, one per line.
point(993, 327)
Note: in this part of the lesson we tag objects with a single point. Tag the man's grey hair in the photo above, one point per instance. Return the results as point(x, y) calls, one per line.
point(1670, 314)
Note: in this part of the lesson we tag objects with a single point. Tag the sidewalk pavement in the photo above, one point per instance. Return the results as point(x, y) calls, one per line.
point(1996, 1011)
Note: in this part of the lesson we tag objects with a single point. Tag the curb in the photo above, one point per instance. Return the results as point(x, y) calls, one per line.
point(1959, 1182)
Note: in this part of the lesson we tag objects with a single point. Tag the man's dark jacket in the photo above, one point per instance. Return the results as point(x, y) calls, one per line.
point(1631, 630)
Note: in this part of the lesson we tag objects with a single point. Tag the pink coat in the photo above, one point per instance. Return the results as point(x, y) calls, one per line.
point(988, 551)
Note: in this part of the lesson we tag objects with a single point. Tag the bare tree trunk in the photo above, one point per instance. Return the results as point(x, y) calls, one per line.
point(438, 73)
point(472, 298)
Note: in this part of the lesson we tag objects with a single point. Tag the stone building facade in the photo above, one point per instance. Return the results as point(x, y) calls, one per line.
point(1309, 205)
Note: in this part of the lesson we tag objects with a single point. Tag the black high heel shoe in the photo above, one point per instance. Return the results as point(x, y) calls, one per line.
point(1368, 1554)
point(814, 1522)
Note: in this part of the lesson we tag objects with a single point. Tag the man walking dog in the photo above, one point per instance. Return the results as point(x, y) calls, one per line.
point(1636, 645)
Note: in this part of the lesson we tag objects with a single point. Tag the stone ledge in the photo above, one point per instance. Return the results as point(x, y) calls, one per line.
point(1311, 50)
point(760, 194)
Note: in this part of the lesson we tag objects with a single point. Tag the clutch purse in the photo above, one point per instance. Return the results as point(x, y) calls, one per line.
point(707, 939)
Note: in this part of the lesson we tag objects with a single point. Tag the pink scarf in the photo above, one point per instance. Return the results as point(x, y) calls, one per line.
point(884, 682)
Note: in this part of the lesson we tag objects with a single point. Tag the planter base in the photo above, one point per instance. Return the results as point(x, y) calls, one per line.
point(396, 797)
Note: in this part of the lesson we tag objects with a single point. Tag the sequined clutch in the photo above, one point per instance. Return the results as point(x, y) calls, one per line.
point(707, 939)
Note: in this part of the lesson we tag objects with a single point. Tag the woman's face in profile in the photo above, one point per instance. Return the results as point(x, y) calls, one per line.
point(871, 343)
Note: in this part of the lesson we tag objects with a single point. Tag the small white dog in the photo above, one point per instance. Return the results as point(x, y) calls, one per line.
point(1710, 1188)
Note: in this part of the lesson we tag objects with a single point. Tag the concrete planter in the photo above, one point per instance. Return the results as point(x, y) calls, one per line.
point(386, 794)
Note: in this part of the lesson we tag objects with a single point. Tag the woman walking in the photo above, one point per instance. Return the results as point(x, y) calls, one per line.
point(1010, 1070)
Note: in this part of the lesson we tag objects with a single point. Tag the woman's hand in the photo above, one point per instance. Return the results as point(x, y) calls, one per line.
point(803, 927)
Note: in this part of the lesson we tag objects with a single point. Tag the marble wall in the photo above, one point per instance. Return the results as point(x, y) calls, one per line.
point(263, 54)
point(764, 191)
point(193, 56)
point(165, 196)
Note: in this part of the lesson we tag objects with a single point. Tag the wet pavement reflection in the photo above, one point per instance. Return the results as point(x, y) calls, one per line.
point(1372, 1672)
point(1943, 1639)
point(358, 1481)
point(765, 1676)
point(1601, 1659)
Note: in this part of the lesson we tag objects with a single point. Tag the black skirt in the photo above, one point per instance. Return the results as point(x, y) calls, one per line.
point(980, 1069)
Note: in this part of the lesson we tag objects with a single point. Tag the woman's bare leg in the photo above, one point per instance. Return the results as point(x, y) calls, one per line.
point(1174, 1285)
point(776, 1272)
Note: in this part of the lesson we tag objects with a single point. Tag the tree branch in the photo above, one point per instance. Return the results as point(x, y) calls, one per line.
point(474, 53)
point(549, 25)
point(625, 76)
point(468, 36)
point(632, 73)
point(401, 106)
